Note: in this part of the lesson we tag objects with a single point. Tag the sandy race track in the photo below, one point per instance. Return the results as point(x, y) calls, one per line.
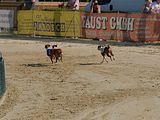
point(80, 88)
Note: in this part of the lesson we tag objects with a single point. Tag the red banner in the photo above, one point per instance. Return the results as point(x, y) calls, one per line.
point(121, 26)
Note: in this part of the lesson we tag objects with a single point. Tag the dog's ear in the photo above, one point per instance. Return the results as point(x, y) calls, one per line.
point(47, 46)
point(98, 47)
point(107, 45)
point(54, 45)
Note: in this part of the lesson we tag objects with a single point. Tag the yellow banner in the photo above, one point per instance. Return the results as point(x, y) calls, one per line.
point(25, 22)
point(51, 23)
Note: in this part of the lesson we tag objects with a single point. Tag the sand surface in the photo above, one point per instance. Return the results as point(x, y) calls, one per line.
point(80, 88)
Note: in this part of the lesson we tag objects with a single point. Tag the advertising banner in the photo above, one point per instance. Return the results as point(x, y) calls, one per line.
point(49, 23)
point(121, 26)
point(25, 22)
point(6, 20)
point(57, 23)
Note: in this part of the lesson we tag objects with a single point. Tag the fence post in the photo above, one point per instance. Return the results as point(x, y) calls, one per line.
point(2, 76)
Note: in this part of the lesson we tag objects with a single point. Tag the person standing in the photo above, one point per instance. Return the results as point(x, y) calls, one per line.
point(155, 7)
point(95, 8)
point(147, 7)
point(73, 4)
point(33, 4)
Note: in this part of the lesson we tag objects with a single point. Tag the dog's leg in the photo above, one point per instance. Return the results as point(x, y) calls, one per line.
point(109, 56)
point(61, 59)
point(105, 59)
point(102, 60)
point(54, 57)
point(103, 55)
point(56, 60)
point(51, 59)
point(112, 55)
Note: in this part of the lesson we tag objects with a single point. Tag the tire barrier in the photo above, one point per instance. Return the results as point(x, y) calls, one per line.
point(2, 76)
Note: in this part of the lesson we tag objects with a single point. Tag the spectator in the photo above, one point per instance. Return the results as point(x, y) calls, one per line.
point(95, 8)
point(147, 7)
point(33, 4)
point(73, 4)
point(155, 6)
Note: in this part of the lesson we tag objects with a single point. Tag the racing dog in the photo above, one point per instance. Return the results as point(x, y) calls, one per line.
point(106, 51)
point(53, 53)
point(57, 52)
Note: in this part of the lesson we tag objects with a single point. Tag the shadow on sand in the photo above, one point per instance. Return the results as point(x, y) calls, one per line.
point(35, 65)
point(90, 63)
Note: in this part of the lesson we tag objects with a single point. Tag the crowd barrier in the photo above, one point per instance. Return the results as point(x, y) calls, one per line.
point(116, 26)
point(2, 77)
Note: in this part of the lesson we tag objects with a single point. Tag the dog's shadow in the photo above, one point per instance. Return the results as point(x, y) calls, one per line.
point(90, 63)
point(35, 65)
